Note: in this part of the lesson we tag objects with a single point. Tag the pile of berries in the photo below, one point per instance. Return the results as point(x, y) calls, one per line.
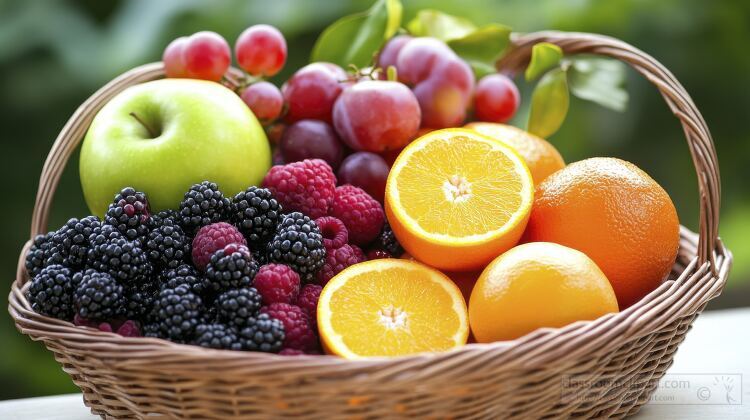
point(239, 273)
point(416, 84)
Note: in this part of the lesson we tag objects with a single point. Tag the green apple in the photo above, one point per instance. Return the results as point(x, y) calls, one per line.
point(161, 137)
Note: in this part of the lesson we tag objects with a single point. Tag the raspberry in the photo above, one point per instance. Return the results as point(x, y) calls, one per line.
point(334, 232)
point(337, 260)
point(299, 332)
point(291, 352)
point(362, 215)
point(129, 328)
point(277, 283)
point(307, 186)
point(308, 302)
point(359, 253)
point(376, 254)
point(212, 238)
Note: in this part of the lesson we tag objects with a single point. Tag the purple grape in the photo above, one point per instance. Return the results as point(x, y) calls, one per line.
point(365, 170)
point(311, 139)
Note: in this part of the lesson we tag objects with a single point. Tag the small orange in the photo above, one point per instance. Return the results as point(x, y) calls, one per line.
point(456, 199)
point(391, 307)
point(541, 157)
point(537, 285)
point(616, 214)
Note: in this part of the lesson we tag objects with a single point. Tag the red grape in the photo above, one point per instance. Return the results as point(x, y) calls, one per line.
point(311, 139)
point(264, 99)
point(367, 171)
point(496, 98)
point(389, 53)
point(419, 56)
point(446, 94)
point(261, 50)
point(274, 132)
point(172, 58)
point(312, 90)
point(376, 115)
point(206, 55)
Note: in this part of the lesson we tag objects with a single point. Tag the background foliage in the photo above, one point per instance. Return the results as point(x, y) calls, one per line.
point(54, 54)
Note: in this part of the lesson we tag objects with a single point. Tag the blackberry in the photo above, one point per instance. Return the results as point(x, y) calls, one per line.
point(130, 214)
point(298, 243)
point(256, 213)
point(159, 218)
point(387, 241)
point(259, 255)
point(263, 333)
point(70, 243)
point(122, 259)
point(98, 296)
point(51, 292)
point(177, 312)
point(232, 267)
point(152, 330)
point(139, 300)
point(167, 246)
point(237, 307)
point(217, 336)
point(178, 277)
point(203, 204)
point(36, 257)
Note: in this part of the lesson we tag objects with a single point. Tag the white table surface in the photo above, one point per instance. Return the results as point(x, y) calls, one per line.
point(718, 346)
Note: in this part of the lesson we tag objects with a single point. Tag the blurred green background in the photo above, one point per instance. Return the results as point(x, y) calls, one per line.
point(54, 54)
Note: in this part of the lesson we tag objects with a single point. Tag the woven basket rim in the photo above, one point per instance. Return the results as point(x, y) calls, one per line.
point(701, 279)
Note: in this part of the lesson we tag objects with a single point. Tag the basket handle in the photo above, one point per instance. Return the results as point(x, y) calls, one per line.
point(696, 132)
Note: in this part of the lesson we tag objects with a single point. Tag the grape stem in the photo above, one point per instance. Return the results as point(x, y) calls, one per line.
point(148, 128)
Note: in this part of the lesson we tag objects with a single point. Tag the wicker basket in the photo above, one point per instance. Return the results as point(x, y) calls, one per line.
point(606, 367)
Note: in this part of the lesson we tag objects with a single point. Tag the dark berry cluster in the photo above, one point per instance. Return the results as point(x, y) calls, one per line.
point(184, 275)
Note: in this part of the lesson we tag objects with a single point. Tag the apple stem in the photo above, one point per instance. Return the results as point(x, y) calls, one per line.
point(151, 132)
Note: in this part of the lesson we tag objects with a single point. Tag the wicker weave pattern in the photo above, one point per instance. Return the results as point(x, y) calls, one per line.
point(127, 377)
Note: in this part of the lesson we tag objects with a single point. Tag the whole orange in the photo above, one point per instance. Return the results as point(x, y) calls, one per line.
point(537, 285)
point(616, 214)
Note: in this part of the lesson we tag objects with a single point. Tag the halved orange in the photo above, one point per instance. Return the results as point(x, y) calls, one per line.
point(542, 158)
point(391, 307)
point(456, 199)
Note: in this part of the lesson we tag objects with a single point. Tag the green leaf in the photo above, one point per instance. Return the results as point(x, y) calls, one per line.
point(439, 25)
point(549, 103)
point(482, 47)
point(544, 56)
point(599, 80)
point(355, 39)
